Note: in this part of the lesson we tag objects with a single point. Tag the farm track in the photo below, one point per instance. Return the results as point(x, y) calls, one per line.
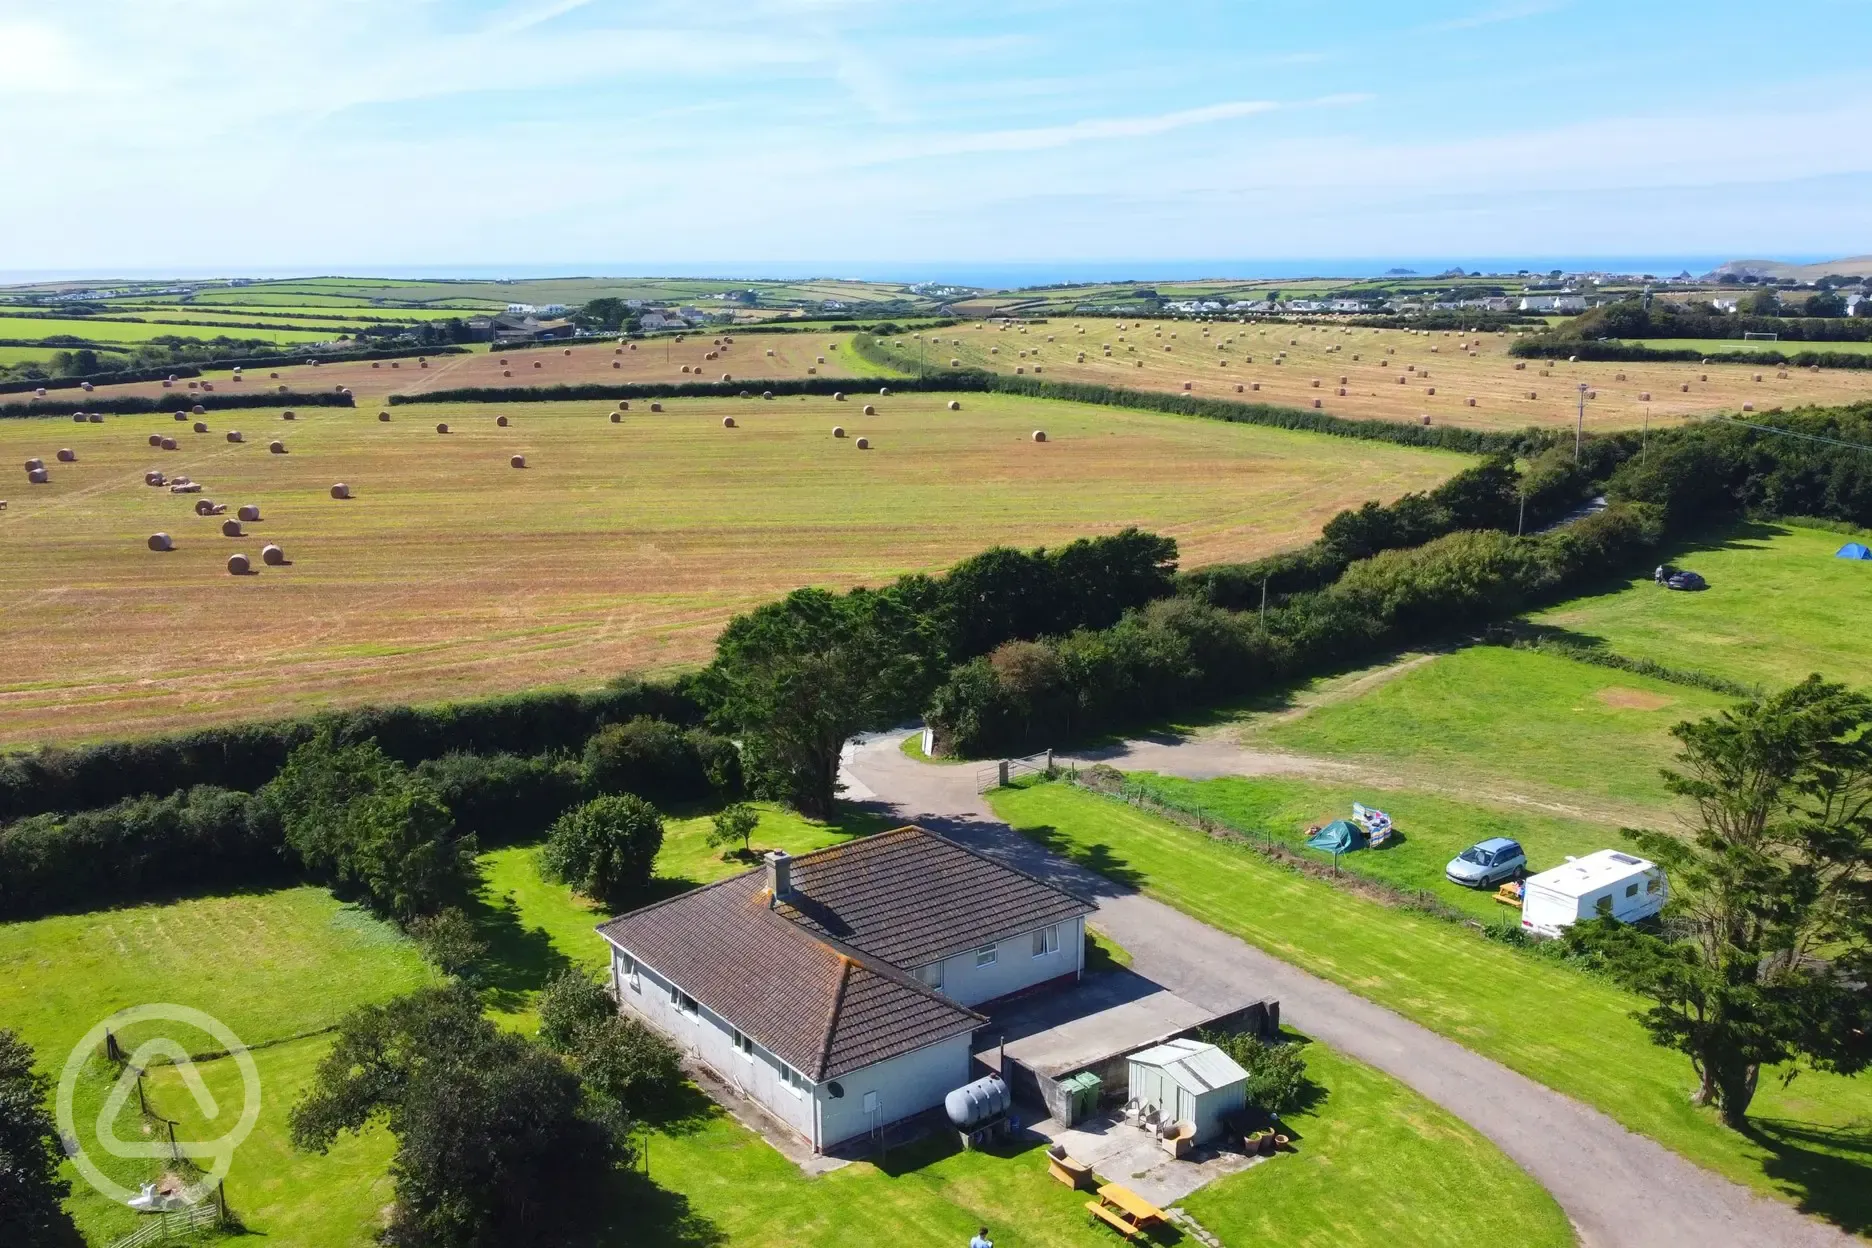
point(1620, 1189)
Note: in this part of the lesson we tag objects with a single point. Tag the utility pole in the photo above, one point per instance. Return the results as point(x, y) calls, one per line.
point(1264, 581)
point(1579, 430)
point(1521, 522)
point(1644, 447)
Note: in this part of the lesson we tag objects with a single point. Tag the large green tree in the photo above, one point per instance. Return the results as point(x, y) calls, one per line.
point(493, 1142)
point(1767, 945)
point(31, 1190)
point(606, 848)
point(798, 678)
point(359, 818)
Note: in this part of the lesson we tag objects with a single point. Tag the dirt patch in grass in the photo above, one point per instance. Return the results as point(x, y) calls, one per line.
point(1633, 699)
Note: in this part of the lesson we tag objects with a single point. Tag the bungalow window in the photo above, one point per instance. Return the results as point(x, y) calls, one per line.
point(931, 975)
point(985, 956)
point(684, 1003)
point(795, 1082)
point(627, 968)
point(1046, 941)
point(744, 1045)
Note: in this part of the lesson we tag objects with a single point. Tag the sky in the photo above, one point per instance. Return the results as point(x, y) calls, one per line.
point(646, 136)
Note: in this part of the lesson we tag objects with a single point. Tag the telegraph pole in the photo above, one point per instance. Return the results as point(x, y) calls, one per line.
point(1579, 430)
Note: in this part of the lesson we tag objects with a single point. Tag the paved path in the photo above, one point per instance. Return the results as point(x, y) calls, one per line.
point(1620, 1189)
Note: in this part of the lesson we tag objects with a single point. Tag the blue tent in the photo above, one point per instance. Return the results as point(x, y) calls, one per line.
point(1338, 837)
point(1853, 550)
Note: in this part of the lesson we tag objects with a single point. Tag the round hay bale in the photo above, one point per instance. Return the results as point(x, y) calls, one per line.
point(383, 417)
point(289, 416)
point(1039, 435)
point(1758, 376)
point(1645, 397)
point(884, 391)
point(624, 406)
point(568, 350)
point(1429, 389)
point(67, 456)
point(231, 528)
point(1426, 419)
point(727, 422)
point(1748, 407)
point(955, 363)
point(155, 439)
point(870, 410)
point(1470, 401)
point(204, 507)
point(954, 406)
point(1782, 374)
point(272, 556)
point(249, 512)
point(1316, 403)
point(170, 444)
point(238, 565)
point(1686, 387)
point(78, 418)
point(1702, 376)
point(726, 377)
point(617, 418)
point(39, 393)
point(1621, 377)
point(1520, 367)
point(1315, 384)
point(770, 353)
point(766, 394)
point(441, 427)
point(341, 490)
point(864, 444)
point(87, 387)
point(503, 360)
point(517, 461)
point(1532, 395)
point(747, 394)
point(1186, 385)
point(506, 372)
point(1342, 392)
point(838, 396)
point(234, 435)
point(276, 448)
point(201, 426)
point(181, 416)
point(1238, 388)
point(685, 368)
point(34, 464)
point(375, 364)
point(539, 363)
point(838, 431)
point(1254, 385)
point(161, 541)
point(198, 410)
point(500, 422)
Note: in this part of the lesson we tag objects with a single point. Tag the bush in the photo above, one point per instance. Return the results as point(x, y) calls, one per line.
point(605, 849)
point(195, 839)
point(733, 826)
point(504, 798)
point(449, 941)
point(1277, 1079)
point(657, 760)
point(571, 1003)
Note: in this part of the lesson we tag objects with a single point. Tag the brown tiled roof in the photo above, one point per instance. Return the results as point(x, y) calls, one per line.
point(910, 897)
point(822, 1007)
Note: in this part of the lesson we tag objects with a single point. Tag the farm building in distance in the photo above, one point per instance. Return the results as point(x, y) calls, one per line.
point(836, 989)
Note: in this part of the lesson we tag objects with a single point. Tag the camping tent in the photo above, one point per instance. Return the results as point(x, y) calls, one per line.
point(1338, 837)
point(1853, 550)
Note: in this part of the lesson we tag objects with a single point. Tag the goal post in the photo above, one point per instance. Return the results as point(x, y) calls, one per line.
point(1748, 337)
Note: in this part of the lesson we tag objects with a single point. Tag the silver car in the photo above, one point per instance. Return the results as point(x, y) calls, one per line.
point(1487, 864)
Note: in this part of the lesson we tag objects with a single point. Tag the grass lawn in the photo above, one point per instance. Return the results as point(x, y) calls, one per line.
point(270, 965)
point(1813, 1139)
point(1430, 830)
point(621, 547)
point(1513, 725)
point(1779, 606)
point(91, 330)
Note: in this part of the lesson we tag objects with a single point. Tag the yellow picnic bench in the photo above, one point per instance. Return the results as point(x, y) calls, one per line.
point(1124, 1210)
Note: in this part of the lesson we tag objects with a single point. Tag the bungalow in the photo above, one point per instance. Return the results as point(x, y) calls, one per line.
point(834, 988)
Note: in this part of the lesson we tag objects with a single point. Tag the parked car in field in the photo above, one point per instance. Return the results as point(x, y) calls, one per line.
point(1686, 580)
point(1487, 864)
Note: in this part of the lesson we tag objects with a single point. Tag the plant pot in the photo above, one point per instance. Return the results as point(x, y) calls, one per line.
point(1280, 1142)
point(1254, 1143)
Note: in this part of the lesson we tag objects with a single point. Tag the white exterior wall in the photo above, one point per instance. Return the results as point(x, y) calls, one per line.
point(905, 1085)
point(710, 1037)
point(1014, 967)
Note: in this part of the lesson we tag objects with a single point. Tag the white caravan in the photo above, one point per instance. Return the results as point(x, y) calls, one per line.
point(1604, 883)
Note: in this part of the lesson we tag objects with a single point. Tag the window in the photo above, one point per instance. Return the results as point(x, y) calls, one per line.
point(1631, 890)
point(794, 1081)
point(931, 975)
point(985, 956)
point(683, 1002)
point(627, 967)
point(1603, 905)
point(1046, 941)
point(744, 1045)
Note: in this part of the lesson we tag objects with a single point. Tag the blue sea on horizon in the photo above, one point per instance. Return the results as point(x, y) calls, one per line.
point(991, 275)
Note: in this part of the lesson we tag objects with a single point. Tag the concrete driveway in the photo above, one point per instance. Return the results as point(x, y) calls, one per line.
point(1621, 1190)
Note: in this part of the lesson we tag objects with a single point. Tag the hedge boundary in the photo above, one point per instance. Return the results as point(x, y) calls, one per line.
point(127, 376)
point(1612, 350)
point(138, 405)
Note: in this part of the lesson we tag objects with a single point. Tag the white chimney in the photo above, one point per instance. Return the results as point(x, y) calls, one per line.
point(779, 877)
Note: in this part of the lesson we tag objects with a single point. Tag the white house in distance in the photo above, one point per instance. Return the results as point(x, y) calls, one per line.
point(835, 988)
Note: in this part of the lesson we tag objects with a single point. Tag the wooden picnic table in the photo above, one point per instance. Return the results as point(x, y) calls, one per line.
point(1141, 1212)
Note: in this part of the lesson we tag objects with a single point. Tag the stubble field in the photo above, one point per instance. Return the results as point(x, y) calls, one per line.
point(1215, 359)
point(620, 547)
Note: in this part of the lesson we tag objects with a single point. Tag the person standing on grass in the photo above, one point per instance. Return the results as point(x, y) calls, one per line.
point(981, 1239)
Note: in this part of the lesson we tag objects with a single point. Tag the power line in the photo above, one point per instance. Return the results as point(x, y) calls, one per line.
point(1789, 433)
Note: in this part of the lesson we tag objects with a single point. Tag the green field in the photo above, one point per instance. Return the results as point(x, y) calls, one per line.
point(1779, 606)
point(274, 965)
point(1567, 1030)
point(1497, 725)
point(92, 329)
point(1786, 346)
point(1430, 830)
